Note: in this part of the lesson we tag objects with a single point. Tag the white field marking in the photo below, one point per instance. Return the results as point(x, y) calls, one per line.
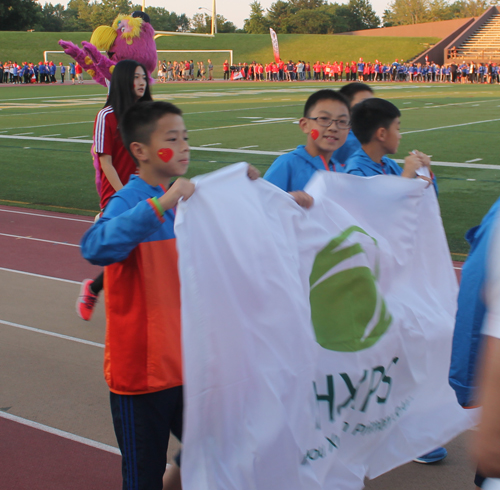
point(286, 99)
point(272, 119)
point(251, 146)
point(212, 144)
point(475, 105)
point(60, 433)
point(49, 125)
point(406, 102)
point(475, 160)
point(243, 109)
point(287, 150)
point(18, 237)
point(471, 180)
point(49, 135)
point(460, 165)
point(53, 97)
point(212, 161)
point(445, 127)
point(231, 150)
point(3, 131)
point(429, 103)
point(38, 138)
point(254, 123)
point(52, 334)
point(26, 148)
point(446, 105)
point(21, 134)
point(77, 137)
point(32, 274)
point(46, 216)
point(250, 117)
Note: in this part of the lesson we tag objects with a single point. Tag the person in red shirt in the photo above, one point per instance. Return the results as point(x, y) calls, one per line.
point(225, 69)
point(354, 68)
point(341, 70)
point(113, 163)
point(317, 70)
point(281, 70)
point(275, 69)
point(78, 71)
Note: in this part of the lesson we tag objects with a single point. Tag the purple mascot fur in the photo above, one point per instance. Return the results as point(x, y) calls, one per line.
point(130, 38)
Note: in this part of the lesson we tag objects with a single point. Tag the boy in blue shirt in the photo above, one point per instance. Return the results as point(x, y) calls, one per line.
point(375, 122)
point(326, 122)
point(354, 93)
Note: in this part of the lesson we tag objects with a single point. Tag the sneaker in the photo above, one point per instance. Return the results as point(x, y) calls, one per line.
point(433, 457)
point(86, 301)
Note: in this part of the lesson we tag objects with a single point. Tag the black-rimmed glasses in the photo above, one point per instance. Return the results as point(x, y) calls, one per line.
point(326, 122)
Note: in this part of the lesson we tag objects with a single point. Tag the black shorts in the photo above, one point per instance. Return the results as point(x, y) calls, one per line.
point(142, 426)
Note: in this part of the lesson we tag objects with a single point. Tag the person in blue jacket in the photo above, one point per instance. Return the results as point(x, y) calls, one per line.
point(72, 72)
point(52, 71)
point(63, 71)
point(355, 93)
point(326, 122)
point(376, 122)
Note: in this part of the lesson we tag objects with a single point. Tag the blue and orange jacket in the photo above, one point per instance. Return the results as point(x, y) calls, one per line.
point(137, 247)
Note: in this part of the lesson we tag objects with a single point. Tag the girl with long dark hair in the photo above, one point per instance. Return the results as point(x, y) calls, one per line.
point(113, 164)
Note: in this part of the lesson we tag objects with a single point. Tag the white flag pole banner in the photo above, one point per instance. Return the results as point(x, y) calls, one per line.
point(316, 342)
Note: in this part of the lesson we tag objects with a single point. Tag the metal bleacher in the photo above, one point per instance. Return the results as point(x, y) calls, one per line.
point(484, 44)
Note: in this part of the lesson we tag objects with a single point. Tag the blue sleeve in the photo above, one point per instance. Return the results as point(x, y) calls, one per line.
point(119, 231)
point(279, 174)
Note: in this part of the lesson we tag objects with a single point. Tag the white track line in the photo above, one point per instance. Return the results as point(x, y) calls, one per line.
point(60, 433)
point(32, 274)
point(50, 125)
point(37, 138)
point(474, 160)
point(452, 126)
point(52, 334)
point(46, 216)
point(18, 237)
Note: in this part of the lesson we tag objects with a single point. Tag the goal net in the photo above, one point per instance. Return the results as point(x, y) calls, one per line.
point(61, 56)
point(217, 57)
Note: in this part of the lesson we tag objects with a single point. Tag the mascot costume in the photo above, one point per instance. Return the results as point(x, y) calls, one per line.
point(130, 38)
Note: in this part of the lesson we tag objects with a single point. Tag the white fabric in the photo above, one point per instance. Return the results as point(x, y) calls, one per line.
point(492, 290)
point(251, 360)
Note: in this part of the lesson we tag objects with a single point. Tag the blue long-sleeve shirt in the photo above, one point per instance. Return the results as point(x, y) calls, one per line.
point(291, 172)
point(361, 164)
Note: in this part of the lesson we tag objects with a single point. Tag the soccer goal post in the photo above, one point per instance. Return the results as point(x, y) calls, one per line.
point(61, 56)
point(216, 56)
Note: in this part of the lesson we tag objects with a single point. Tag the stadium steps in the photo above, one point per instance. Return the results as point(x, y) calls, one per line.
point(484, 43)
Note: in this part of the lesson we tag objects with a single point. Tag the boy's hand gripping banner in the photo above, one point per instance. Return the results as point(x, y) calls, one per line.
point(316, 342)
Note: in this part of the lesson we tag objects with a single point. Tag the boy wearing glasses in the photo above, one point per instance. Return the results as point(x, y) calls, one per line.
point(326, 122)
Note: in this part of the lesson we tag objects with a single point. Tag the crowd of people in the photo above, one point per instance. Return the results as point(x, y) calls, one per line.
point(183, 71)
point(43, 72)
point(362, 71)
point(348, 131)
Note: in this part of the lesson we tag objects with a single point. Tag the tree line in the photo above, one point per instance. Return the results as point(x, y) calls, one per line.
point(284, 16)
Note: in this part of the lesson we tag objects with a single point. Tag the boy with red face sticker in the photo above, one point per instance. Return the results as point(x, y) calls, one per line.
point(134, 240)
point(326, 122)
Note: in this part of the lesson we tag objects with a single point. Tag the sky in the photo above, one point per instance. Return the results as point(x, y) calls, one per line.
point(234, 10)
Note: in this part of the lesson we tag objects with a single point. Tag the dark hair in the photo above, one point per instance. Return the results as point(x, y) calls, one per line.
point(121, 92)
point(140, 120)
point(325, 94)
point(370, 115)
point(350, 90)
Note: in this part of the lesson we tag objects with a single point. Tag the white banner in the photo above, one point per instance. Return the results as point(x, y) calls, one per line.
point(316, 342)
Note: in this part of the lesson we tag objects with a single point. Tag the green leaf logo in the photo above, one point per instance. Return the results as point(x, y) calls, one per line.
point(348, 311)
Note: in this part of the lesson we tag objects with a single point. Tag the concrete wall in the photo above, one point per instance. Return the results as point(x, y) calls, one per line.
point(430, 29)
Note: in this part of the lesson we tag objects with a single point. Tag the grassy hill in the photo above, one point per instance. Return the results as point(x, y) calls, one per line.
point(29, 46)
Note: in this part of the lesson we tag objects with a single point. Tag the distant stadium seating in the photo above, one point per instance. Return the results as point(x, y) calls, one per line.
point(484, 44)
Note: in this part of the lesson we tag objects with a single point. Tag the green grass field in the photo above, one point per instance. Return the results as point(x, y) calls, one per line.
point(455, 124)
point(29, 46)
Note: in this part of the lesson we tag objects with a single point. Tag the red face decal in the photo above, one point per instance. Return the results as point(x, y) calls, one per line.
point(314, 134)
point(165, 154)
